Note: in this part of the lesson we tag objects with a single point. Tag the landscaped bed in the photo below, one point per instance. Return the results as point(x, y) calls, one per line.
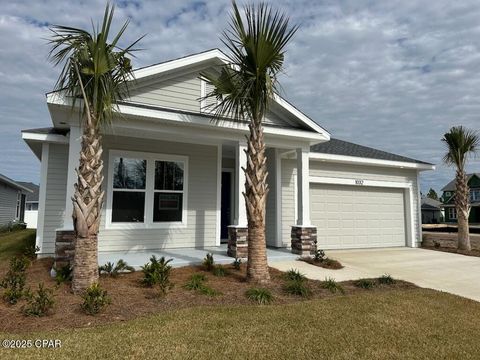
point(130, 299)
point(453, 250)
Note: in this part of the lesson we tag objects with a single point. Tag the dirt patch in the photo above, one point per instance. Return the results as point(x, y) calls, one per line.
point(473, 252)
point(131, 300)
point(326, 264)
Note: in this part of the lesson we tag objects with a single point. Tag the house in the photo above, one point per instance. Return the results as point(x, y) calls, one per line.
point(12, 201)
point(173, 176)
point(31, 204)
point(449, 199)
point(432, 211)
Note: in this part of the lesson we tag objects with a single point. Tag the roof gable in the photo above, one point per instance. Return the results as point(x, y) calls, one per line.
point(176, 84)
point(473, 182)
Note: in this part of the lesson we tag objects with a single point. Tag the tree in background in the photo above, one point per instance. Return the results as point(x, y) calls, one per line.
point(460, 143)
point(432, 194)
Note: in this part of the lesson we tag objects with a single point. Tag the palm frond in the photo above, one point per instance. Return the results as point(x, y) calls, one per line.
point(256, 46)
point(104, 68)
point(460, 142)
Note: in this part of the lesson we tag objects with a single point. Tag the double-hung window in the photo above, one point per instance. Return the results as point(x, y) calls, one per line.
point(452, 213)
point(146, 190)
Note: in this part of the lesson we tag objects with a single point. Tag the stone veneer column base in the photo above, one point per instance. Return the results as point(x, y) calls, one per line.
point(304, 240)
point(237, 242)
point(64, 248)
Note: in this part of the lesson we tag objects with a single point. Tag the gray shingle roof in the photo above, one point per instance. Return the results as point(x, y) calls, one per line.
point(340, 147)
point(451, 186)
point(31, 197)
point(430, 204)
point(13, 183)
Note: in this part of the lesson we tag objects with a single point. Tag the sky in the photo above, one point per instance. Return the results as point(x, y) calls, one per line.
point(393, 75)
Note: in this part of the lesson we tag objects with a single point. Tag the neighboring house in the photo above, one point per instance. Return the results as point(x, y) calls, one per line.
point(449, 199)
point(173, 177)
point(12, 201)
point(432, 212)
point(31, 205)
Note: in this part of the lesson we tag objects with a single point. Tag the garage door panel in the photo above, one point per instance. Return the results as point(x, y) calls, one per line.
point(357, 217)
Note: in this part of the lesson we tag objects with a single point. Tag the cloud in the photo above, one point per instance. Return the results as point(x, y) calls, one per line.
point(393, 75)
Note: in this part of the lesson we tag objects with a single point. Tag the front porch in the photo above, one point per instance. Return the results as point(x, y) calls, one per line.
point(186, 256)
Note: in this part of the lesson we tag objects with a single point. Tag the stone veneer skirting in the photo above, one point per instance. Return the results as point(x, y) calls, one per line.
point(304, 240)
point(237, 242)
point(64, 247)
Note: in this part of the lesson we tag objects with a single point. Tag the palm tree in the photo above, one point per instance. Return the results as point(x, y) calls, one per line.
point(95, 72)
point(244, 91)
point(461, 142)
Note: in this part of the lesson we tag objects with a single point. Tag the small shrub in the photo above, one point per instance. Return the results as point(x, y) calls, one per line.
point(294, 275)
point(436, 244)
point(95, 299)
point(157, 272)
point(219, 270)
point(114, 270)
point(40, 303)
point(30, 251)
point(386, 279)
point(64, 274)
point(365, 284)
point(331, 285)
point(195, 282)
point(207, 290)
point(236, 263)
point(259, 295)
point(297, 287)
point(14, 280)
point(319, 256)
point(208, 262)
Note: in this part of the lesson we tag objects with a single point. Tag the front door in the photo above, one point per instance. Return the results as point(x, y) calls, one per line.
point(226, 212)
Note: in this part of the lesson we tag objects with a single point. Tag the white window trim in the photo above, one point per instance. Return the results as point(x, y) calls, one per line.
point(18, 205)
point(452, 213)
point(149, 191)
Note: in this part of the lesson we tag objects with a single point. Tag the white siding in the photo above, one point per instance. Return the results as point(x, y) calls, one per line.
point(8, 203)
point(56, 186)
point(201, 203)
point(182, 92)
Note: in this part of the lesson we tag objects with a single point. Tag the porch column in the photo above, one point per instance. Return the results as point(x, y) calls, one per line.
point(303, 235)
point(237, 233)
point(74, 147)
point(64, 239)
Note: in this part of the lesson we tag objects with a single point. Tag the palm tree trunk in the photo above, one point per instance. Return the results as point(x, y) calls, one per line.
point(463, 210)
point(87, 204)
point(256, 191)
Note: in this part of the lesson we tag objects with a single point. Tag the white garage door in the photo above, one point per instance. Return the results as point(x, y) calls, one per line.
point(357, 217)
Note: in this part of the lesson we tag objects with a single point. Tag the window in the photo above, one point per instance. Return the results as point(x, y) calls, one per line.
point(168, 191)
point(146, 190)
point(128, 198)
point(452, 213)
point(475, 195)
point(18, 206)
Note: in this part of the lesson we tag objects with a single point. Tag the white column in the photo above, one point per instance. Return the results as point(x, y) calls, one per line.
point(240, 161)
point(42, 197)
point(303, 187)
point(74, 147)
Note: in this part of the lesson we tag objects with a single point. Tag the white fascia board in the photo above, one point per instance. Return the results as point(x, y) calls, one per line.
point(179, 63)
point(49, 138)
point(192, 119)
point(368, 161)
point(304, 118)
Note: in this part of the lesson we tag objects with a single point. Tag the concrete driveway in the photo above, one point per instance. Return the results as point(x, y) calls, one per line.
point(456, 274)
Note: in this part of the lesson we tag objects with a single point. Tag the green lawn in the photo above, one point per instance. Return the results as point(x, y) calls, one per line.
point(413, 324)
point(13, 243)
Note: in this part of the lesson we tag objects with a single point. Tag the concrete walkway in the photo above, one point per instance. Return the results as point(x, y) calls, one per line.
point(456, 274)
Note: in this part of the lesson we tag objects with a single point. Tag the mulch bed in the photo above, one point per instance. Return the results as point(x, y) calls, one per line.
point(131, 300)
point(454, 251)
point(326, 264)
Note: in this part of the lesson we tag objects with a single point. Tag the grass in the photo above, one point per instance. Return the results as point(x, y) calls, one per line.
point(420, 323)
point(14, 243)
